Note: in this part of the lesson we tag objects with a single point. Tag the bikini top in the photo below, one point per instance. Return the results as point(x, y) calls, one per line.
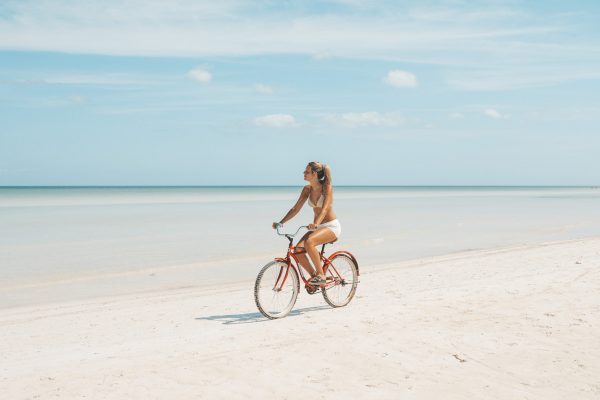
point(319, 202)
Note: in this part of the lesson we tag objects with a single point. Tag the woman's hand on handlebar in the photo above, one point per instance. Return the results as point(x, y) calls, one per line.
point(276, 224)
point(312, 227)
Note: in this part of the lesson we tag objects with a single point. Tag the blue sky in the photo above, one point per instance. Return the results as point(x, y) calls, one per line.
point(246, 93)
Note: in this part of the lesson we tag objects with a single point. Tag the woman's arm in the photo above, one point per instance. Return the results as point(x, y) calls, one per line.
point(326, 204)
point(297, 207)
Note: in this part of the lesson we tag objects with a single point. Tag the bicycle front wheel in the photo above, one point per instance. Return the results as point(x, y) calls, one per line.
point(276, 289)
point(344, 273)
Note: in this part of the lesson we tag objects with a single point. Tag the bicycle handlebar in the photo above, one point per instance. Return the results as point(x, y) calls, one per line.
point(289, 234)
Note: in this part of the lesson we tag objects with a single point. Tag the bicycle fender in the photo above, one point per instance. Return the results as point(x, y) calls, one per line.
point(345, 252)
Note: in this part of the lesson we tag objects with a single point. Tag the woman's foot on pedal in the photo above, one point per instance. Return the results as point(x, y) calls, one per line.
point(318, 280)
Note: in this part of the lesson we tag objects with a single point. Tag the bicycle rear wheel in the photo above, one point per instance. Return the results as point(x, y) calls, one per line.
point(276, 289)
point(344, 273)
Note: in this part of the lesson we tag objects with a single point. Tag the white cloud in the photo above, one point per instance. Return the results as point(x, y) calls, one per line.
point(276, 121)
point(89, 79)
point(360, 119)
point(200, 74)
point(492, 113)
point(61, 101)
point(77, 99)
point(264, 89)
point(519, 77)
point(236, 27)
point(442, 14)
point(322, 55)
point(401, 79)
point(505, 38)
point(456, 115)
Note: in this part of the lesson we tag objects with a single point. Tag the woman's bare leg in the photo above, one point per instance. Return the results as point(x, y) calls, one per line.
point(318, 237)
point(305, 263)
point(302, 258)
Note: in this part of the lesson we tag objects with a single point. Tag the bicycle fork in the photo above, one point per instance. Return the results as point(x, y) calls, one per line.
point(279, 286)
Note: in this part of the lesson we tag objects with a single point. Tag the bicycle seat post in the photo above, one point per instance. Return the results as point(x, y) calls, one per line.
point(324, 244)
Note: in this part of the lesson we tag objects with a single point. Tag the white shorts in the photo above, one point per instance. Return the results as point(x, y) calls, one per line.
point(334, 225)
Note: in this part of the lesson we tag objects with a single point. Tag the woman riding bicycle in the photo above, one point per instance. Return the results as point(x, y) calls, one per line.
point(325, 227)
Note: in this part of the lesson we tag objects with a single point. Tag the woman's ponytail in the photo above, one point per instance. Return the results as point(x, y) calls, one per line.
point(327, 175)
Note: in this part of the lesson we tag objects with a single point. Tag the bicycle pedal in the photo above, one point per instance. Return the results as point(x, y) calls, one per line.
point(311, 289)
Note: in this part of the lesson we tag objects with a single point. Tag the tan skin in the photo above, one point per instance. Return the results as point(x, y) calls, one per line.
point(323, 214)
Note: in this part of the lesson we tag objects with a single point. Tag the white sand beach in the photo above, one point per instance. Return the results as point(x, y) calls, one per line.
point(513, 323)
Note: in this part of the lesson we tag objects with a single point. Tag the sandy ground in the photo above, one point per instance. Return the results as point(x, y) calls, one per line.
point(517, 323)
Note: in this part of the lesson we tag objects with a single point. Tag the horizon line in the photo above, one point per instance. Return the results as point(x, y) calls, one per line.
point(284, 186)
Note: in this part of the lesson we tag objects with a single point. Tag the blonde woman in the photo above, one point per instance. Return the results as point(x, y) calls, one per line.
point(325, 227)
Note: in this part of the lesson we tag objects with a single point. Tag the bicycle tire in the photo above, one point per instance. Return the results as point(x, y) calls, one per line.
point(341, 293)
point(272, 303)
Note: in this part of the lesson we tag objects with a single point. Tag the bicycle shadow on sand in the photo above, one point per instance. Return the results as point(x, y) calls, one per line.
point(233, 319)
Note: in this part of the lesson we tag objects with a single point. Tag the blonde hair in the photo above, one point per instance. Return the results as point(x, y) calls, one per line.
point(323, 172)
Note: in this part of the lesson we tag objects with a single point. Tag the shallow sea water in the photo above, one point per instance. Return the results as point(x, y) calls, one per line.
point(68, 243)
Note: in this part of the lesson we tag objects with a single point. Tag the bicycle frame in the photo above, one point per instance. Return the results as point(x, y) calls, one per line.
point(291, 255)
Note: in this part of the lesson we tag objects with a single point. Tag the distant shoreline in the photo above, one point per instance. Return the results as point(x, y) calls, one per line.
point(295, 186)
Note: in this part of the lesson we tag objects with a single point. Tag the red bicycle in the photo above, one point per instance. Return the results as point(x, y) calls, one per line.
point(278, 283)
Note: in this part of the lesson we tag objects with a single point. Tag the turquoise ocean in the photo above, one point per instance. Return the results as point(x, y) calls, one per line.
point(71, 243)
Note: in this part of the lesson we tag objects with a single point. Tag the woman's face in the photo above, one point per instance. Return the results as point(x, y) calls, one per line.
point(309, 175)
